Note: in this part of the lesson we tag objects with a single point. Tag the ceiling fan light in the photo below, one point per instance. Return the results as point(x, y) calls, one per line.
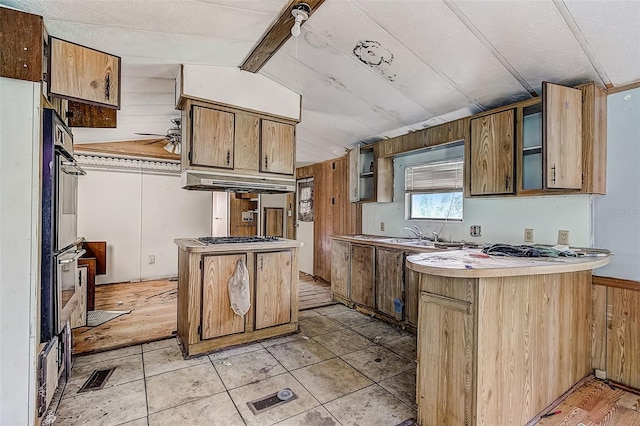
point(295, 30)
point(170, 147)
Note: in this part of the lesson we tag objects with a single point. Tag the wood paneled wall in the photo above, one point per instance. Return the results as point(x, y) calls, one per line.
point(333, 213)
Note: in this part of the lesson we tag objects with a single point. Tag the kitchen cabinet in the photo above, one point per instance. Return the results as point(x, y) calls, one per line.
point(218, 319)
point(86, 115)
point(277, 147)
point(554, 145)
point(83, 74)
point(247, 142)
point(22, 43)
point(411, 294)
point(492, 144)
point(474, 322)
point(389, 282)
point(370, 176)
point(445, 342)
point(235, 141)
point(340, 268)
point(362, 274)
point(562, 136)
point(206, 321)
point(273, 289)
point(212, 138)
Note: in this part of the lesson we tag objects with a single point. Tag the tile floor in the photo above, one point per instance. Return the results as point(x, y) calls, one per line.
point(344, 367)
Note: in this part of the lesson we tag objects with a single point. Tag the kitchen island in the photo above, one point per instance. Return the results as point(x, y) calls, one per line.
point(499, 339)
point(206, 321)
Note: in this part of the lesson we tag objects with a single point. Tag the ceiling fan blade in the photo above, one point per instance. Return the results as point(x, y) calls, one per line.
point(150, 134)
point(277, 35)
point(152, 141)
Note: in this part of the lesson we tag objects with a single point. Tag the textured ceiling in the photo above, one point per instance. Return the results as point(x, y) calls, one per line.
point(366, 69)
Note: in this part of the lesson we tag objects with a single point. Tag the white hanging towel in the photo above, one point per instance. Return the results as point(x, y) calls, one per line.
point(239, 289)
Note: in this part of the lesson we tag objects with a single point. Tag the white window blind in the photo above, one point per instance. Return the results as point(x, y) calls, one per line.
point(435, 177)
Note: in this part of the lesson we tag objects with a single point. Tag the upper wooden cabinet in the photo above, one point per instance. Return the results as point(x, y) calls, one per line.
point(240, 142)
point(553, 145)
point(212, 137)
point(277, 147)
point(370, 176)
point(22, 41)
point(562, 136)
point(83, 74)
point(492, 154)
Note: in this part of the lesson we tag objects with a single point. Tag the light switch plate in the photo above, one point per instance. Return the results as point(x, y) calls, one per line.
point(563, 237)
point(528, 235)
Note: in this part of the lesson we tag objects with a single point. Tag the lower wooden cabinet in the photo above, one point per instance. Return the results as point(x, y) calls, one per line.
point(206, 321)
point(362, 274)
point(389, 282)
point(444, 391)
point(273, 289)
point(411, 294)
point(623, 336)
point(218, 319)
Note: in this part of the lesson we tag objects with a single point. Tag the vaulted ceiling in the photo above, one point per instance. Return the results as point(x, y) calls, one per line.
point(366, 69)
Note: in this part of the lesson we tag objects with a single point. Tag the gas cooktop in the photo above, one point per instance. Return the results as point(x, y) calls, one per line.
point(235, 240)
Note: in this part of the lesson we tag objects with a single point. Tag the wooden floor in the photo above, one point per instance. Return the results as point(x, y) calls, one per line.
point(313, 294)
point(596, 404)
point(153, 316)
point(153, 307)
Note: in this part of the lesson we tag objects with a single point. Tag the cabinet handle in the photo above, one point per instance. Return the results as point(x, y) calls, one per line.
point(228, 157)
point(107, 86)
point(553, 169)
point(506, 182)
point(266, 162)
point(261, 262)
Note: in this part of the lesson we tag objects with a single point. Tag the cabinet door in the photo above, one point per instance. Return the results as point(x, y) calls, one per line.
point(247, 142)
point(354, 174)
point(562, 136)
point(80, 73)
point(340, 268)
point(79, 315)
point(273, 289)
point(278, 145)
point(218, 319)
point(623, 336)
point(445, 370)
point(362, 274)
point(492, 154)
point(389, 282)
point(411, 294)
point(212, 137)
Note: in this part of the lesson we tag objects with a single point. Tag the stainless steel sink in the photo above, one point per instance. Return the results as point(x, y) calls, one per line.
point(394, 240)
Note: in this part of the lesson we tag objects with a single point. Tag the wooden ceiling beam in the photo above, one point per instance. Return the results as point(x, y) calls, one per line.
point(277, 36)
point(146, 148)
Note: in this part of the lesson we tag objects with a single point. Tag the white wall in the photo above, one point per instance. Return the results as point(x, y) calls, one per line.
point(20, 124)
point(616, 215)
point(304, 233)
point(139, 214)
point(502, 219)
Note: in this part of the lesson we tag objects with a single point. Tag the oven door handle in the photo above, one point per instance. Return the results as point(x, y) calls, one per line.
point(77, 170)
point(75, 257)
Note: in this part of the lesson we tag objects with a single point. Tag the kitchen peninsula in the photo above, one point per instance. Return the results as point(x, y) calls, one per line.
point(499, 339)
point(206, 321)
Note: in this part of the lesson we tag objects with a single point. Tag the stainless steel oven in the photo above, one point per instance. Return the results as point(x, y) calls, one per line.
point(60, 245)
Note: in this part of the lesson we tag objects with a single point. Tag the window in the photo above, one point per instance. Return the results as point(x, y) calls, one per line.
point(434, 190)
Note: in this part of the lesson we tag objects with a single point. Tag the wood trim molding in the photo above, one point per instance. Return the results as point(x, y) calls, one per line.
point(275, 37)
point(630, 86)
point(616, 282)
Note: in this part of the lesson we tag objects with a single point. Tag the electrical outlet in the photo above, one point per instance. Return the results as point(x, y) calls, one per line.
point(528, 235)
point(382, 226)
point(563, 237)
point(475, 230)
point(152, 259)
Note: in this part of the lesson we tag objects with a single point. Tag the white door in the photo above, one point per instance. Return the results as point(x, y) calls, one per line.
point(220, 216)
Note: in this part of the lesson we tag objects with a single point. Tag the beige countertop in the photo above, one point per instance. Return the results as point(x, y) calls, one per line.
point(192, 245)
point(472, 263)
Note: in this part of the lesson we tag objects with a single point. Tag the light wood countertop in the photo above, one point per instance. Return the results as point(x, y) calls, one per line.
point(472, 263)
point(192, 245)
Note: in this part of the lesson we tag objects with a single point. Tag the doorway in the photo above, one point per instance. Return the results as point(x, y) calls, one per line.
point(273, 222)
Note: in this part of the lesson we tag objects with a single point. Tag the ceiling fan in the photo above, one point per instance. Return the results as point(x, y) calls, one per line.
point(173, 136)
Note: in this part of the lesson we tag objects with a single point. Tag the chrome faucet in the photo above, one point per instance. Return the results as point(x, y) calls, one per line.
point(416, 231)
point(435, 237)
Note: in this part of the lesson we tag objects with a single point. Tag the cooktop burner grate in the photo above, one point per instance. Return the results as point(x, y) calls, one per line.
point(232, 240)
